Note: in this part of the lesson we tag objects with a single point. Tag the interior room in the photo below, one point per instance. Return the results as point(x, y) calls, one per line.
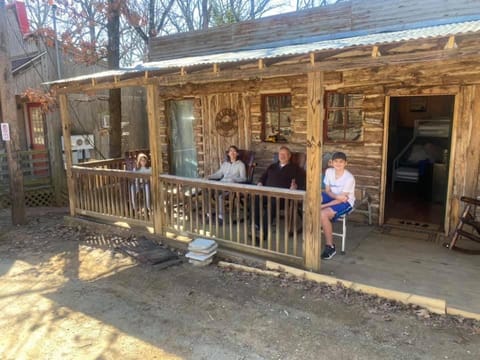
point(418, 158)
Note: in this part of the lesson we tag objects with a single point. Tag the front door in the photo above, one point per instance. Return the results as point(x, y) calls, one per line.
point(37, 141)
point(182, 151)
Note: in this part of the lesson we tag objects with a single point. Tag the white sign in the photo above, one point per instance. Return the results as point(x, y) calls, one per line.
point(5, 132)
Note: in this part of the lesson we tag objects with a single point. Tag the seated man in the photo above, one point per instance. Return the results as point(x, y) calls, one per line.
point(281, 174)
point(337, 199)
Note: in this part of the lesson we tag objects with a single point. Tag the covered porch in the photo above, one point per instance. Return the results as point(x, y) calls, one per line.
point(390, 258)
point(410, 261)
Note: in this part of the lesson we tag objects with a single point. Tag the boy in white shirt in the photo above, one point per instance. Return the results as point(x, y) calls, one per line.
point(337, 199)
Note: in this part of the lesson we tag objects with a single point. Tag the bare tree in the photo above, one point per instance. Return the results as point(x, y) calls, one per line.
point(39, 14)
point(306, 4)
point(229, 11)
point(190, 15)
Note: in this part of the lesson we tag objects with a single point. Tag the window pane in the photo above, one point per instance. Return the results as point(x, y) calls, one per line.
point(285, 102)
point(335, 100)
point(271, 124)
point(354, 127)
point(335, 119)
point(273, 103)
point(355, 100)
point(285, 124)
point(277, 117)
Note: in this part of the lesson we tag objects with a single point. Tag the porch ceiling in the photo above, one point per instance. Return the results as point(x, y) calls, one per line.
point(281, 53)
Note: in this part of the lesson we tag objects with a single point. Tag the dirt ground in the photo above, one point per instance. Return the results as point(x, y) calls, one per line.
point(65, 293)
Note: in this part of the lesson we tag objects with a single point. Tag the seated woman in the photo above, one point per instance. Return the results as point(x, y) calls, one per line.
point(141, 184)
point(232, 170)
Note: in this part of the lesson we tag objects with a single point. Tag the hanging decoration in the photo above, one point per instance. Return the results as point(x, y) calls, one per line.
point(226, 122)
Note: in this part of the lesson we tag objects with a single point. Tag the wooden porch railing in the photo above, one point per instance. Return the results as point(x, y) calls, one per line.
point(105, 193)
point(192, 207)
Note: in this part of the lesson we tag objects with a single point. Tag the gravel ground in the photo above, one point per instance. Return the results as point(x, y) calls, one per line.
point(65, 293)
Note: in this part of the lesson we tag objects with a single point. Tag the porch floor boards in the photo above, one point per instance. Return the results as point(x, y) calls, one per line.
point(410, 262)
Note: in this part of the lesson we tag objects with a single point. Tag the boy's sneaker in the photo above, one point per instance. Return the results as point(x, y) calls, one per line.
point(329, 252)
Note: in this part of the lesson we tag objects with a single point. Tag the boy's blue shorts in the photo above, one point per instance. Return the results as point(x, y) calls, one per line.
point(340, 209)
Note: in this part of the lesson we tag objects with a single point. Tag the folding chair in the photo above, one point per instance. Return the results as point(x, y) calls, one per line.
point(469, 218)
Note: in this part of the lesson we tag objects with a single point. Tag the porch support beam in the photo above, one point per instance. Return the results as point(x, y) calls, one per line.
point(67, 143)
point(156, 152)
point(313, 196)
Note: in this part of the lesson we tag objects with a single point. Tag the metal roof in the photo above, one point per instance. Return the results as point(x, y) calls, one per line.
point(345, 41)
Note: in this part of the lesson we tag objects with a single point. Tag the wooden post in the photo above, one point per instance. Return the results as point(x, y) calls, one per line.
point(156, 153)
point(465, 152)
point(67, 143)
point(9, 116)
point(313, 197)
point(54, 128)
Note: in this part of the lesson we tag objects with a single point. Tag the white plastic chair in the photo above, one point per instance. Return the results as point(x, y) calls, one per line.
point(343, 234)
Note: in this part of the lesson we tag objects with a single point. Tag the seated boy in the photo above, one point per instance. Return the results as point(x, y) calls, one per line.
point(337, 199)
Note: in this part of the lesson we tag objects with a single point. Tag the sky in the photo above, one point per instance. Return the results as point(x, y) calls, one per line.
point(287, 6)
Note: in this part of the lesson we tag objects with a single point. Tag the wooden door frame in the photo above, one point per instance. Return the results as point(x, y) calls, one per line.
point(429, 91)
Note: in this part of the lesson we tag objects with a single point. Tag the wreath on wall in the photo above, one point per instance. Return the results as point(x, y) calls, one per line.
point(226, 122)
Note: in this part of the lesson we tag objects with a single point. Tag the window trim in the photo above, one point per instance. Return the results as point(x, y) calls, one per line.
point(263, 110)
point(345, 109)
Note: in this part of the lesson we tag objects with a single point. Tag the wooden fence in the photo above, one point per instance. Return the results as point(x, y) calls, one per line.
point(106, 193)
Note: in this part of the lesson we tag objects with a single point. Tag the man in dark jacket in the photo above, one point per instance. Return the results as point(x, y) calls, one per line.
point(282, 174)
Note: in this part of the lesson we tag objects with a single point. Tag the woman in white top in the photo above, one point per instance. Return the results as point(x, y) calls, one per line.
point(232, 170)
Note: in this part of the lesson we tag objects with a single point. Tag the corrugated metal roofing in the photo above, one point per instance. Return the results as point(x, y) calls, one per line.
point(292, 50)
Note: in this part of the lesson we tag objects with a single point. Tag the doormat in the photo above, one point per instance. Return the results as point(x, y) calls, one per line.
point(418, 225)
point(413, 229)
point(149, 252)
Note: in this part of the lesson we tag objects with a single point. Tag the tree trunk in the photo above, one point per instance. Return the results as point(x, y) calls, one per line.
point(9, 116)
point(115, 101)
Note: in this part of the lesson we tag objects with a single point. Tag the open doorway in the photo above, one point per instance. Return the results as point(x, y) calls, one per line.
point(419, 143)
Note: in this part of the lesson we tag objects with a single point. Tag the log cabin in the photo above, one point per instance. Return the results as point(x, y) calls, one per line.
point(393, 84)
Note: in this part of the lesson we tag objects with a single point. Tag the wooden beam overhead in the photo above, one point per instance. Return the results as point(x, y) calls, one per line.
point(312, 58)
point(183, 72)
point(216, 68)
point(146, 75)
point(116, 79)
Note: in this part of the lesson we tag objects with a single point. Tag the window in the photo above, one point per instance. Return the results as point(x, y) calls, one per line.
point(344, 117)
point(277, 120)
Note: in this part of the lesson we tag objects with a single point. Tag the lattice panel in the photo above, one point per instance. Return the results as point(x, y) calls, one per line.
point(33, 198)
point(42, 197)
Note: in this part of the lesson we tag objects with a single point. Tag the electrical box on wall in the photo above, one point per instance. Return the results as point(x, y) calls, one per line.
point(81, 146)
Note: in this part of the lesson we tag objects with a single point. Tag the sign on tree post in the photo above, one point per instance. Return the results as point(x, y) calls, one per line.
point(9, 124)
